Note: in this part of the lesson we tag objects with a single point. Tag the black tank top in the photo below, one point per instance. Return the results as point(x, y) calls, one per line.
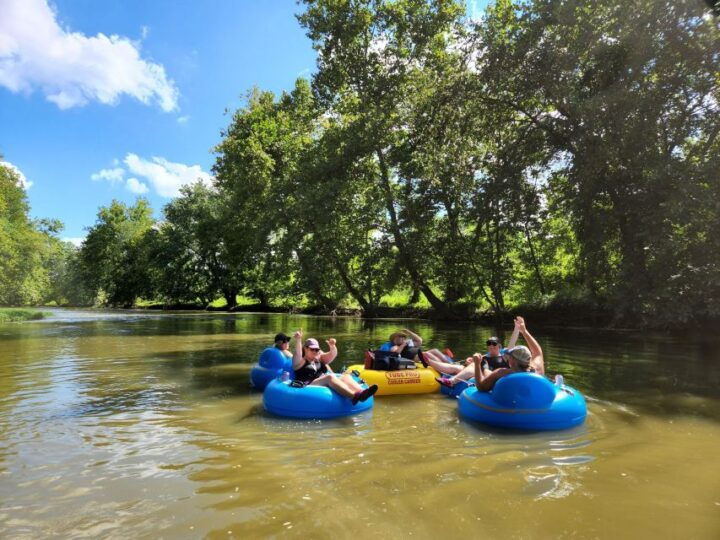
point(495, 362)
point(310, 371)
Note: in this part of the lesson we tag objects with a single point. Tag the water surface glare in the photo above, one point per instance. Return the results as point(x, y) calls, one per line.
point(137, 424)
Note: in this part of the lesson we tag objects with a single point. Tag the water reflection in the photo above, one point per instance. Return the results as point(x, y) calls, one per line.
point(140, 424)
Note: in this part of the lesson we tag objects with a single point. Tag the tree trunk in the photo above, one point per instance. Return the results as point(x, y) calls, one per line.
point(414, 295)
point(366, 306)
point(406, 256)
point(230, 295)
point(536, 266)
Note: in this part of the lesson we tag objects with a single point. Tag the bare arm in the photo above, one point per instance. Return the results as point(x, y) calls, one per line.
point(398, 348)
point(538, 360)
point(298, 359)
point(514, 336)
point(485, 382)
point(329, 356)
point(485, 370)
point(488, 382)
point(417, 340)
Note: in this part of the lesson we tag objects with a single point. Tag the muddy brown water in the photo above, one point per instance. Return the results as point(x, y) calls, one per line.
point(136, 424)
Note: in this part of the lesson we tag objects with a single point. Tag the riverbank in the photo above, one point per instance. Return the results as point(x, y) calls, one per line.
point(555, 315)
point(20, 314)
point(563, 314)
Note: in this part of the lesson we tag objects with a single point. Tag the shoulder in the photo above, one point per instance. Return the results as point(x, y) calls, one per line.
point(386, 346)
point(501, 372)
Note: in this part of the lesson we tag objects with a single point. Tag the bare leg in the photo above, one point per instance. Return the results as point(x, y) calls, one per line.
point(442, 366)
point(336, 384)
point(468, 372)
point(351, 383)
point(437, 355)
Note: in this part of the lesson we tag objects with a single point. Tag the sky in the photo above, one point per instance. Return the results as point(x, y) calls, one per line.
point(125, 98)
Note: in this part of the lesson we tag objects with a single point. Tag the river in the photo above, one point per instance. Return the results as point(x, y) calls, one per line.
point(142, 424)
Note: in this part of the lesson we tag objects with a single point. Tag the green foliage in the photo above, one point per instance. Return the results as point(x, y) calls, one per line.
point(16, 315)
point(115, 254)
point(555, 155)
point(67, 276)
point(25, 246)
point(188, 252)
point(627, 100)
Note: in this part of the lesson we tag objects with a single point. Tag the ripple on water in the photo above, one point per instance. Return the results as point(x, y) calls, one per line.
point(155, 434)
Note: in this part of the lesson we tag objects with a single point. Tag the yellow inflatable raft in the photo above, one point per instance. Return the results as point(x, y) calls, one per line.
point(403, 381)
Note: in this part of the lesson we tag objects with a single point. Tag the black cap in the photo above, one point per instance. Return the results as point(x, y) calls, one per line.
point(281, 337)
point(495, 339)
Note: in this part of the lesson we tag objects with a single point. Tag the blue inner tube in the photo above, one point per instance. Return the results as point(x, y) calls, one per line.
point(271, 364)
point(524, 401)
point(309, 402)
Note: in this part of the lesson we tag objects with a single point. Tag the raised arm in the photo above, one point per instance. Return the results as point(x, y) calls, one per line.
point(514, 336)
point(417, 340)
point(329, 356)
point(298, 360)
point(538, 360)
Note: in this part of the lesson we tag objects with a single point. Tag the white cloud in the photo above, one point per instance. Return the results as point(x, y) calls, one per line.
point(114, 176)
point(75, 240)
point(136, 186)
point(71, 68)
point(24, 182)
point(183, 119)
point(165, 176)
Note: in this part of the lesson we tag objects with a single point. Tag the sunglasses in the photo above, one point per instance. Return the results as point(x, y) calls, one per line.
point(491, 343)
point(313, 349)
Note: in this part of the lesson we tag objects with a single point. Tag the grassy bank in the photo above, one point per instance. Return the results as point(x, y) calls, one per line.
point(20, 314)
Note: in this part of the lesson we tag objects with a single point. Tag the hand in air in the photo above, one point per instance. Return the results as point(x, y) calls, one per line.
point(520, 323)
point(331, 342)
point(298, 334)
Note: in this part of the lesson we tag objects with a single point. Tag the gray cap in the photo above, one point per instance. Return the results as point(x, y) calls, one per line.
point(521, 354)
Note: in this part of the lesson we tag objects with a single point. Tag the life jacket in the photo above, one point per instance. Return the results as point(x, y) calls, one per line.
point(310, 371)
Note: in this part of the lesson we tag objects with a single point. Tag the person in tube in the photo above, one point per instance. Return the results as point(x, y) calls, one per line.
point(311, 367)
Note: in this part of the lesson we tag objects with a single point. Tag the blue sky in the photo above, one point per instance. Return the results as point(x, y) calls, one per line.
point(103, 100)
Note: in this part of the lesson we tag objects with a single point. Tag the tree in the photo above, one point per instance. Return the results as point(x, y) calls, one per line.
point(369, 52)
point(627, 101)
point(66, 276)
point(114, 254)
point(23, 278)
point(189, 249)
point(255, 170)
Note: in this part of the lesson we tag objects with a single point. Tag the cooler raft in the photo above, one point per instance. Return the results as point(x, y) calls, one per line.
point(402, 381)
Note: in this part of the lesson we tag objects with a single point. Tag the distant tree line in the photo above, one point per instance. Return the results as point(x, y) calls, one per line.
point(551, 155)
